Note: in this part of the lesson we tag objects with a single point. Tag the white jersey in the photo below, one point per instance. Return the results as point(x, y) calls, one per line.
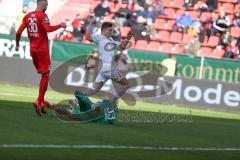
point(106, 48)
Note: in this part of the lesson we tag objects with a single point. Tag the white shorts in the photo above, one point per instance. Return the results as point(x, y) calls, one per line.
point(105, 75)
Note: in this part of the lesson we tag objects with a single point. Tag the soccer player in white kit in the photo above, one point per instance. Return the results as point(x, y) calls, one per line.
point(106, 47)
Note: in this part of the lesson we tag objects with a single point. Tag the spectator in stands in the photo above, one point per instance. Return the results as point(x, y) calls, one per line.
point(212, 5)
point(183, 23)
point(116, 35)
point(225, 39)
point(77, 32)
point(206, 28)
point(130, 21)
point(69, 27)
point(139, 29)
point(189, 3)
point(193, 47)
point(130, 2)
point(236, 18)
point(221, 24)
point(13, 30)
point(122, 14)
point(159, 7)
point(86, 20)
point(206, 5)
point(150, 29)
point(141, 2)
point(195, 27)
point(77, 20)
point(137, 10)
point(201, 6)
point(148, 13)
point(102, 10)
point(232, 50)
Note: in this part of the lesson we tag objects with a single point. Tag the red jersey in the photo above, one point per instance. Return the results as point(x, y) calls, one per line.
point(37, 24)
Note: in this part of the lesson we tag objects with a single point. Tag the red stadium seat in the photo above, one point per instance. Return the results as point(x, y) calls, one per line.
point(205, 16)
point(187, 38)
point(176, 37)
point(166, 47)
point(170, 13)
point(153, 46)
point(160, 24)
point(132, 43)
point(213, 41)
point(177, 49)
point(237, 7)
point(95, 4)
point(125, 31)
point(235, 32)
point(163, 36)
point(218, 53)
point(223, 1)
point(179, 13)
point(228, 7)
point(194, 14)
point(231, 1)
point(177, 3)
point(166, 3)
point(141, 45)
point(205, 52)
point(170, 24)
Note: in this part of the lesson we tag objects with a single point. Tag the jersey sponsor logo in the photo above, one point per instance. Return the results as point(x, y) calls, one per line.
point(45, 19)
point(34, 34)
point(110, 46)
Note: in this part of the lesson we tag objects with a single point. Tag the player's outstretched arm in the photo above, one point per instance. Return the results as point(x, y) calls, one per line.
point(90, 29)
point(125, 43)
point(50, 28)
point(19, 34)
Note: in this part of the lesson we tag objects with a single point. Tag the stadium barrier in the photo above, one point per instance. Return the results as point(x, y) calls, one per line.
point(186, 67)
point(187, 92)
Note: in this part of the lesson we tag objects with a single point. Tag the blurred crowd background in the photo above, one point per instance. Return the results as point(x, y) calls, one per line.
point(209, 28)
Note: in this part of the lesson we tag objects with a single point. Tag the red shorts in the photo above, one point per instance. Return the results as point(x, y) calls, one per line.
point(41, 61)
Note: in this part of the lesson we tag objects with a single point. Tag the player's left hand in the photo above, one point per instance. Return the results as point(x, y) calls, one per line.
point(63, 25)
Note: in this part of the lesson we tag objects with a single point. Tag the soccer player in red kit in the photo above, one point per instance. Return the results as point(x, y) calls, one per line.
point(38, 25)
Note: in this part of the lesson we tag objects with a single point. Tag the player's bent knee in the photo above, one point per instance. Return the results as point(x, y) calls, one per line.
point(45, 74)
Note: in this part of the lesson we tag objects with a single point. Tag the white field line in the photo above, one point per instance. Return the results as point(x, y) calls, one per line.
point(115, 147)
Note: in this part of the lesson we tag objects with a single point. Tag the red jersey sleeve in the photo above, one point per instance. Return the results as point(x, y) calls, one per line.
point(47, 26)
point(20, 30)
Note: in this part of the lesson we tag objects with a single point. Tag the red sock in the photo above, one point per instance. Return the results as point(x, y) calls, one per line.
point(43, 87)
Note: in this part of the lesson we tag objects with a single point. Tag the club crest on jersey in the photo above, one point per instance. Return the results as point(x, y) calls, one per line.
point(110, 46)
point(46, 19)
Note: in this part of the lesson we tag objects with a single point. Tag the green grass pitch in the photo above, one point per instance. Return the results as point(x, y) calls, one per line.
point(20, 125)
